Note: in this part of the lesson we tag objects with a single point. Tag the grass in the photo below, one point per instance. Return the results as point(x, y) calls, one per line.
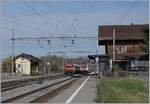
point(122, 90)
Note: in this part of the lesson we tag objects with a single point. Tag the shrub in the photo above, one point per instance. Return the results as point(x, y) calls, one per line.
point(122, 90)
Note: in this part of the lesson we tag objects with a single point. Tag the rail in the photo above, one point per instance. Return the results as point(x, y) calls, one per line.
point(57, 83)
point(22, 82)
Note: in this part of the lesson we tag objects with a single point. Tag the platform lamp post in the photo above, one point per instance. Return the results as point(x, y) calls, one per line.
point(48, 65)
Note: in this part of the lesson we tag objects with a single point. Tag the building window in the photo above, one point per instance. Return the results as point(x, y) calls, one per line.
point(120, 49)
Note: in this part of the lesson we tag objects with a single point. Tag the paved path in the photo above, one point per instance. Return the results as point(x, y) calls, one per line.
point(82, 91)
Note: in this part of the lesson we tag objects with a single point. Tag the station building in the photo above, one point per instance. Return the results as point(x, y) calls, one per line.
point(27, 64)
point(129, 54)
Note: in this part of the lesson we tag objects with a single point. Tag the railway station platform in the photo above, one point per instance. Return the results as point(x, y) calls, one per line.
point(78, 94)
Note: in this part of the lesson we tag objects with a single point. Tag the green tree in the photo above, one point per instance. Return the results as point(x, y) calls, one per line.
point(6, 64)
point(56, 63)
point(55, 68)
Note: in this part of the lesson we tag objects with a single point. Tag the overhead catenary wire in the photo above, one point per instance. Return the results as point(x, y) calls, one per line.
point(82, 16)
point(35, 12)
point(24, 25)
point(56, 37)
point(126, 13)
point(20, 19)
point(23, 32)
point(30, 11)
point(10, 29)
point(43, 17)
point(54, 13)
point(59, 38)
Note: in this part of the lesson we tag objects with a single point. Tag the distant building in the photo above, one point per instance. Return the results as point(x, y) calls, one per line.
point(27, 64)
point(129, 53)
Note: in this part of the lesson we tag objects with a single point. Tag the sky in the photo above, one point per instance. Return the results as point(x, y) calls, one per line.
point(37, 18)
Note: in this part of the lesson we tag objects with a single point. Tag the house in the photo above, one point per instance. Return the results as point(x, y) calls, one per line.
point(129, 54)
point(27, 64)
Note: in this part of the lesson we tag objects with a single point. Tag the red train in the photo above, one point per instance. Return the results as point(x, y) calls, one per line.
point(69, 69)
point(76, 69)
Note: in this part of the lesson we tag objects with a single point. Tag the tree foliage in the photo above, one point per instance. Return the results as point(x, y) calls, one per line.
point(6, 64)
point(57, 62)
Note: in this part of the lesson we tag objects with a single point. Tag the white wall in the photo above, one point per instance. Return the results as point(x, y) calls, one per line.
point(25, 65)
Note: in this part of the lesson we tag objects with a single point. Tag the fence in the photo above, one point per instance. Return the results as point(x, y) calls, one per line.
point(140, 74)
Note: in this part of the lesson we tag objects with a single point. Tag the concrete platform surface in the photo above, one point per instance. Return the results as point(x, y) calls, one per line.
point(86, 94)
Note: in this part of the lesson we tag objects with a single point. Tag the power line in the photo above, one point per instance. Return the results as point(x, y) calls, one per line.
point(19, 19)
point(23, 32)
point(5, 28)
point(124, 15)
point(60, 21)
point(56, 37)
point(46, 18)
point(71, 12)
point(37, 13)
point(10, 29)
point(56, 13)
point(23, 25)
point(28, 11)
point(83, 15)
point(42, 17)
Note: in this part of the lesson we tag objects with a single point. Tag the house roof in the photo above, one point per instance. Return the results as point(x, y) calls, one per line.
point(30, 57)
point(122, 32)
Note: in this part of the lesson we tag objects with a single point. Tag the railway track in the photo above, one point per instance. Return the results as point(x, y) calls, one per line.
point(19, 83)
point(42, 94)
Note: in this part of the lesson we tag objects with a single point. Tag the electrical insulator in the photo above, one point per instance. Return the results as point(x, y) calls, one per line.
point(72, 41)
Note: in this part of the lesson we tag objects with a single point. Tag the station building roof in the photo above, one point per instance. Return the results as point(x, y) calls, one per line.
point(131, 32)
point(27, 56)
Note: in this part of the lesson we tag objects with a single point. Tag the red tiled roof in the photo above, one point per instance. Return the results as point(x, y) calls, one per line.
point(123, 32)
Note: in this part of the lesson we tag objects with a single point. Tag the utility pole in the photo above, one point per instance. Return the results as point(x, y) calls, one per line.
point(49, 53)
point(13, 49)
point(48, 47)
point(114, 39)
